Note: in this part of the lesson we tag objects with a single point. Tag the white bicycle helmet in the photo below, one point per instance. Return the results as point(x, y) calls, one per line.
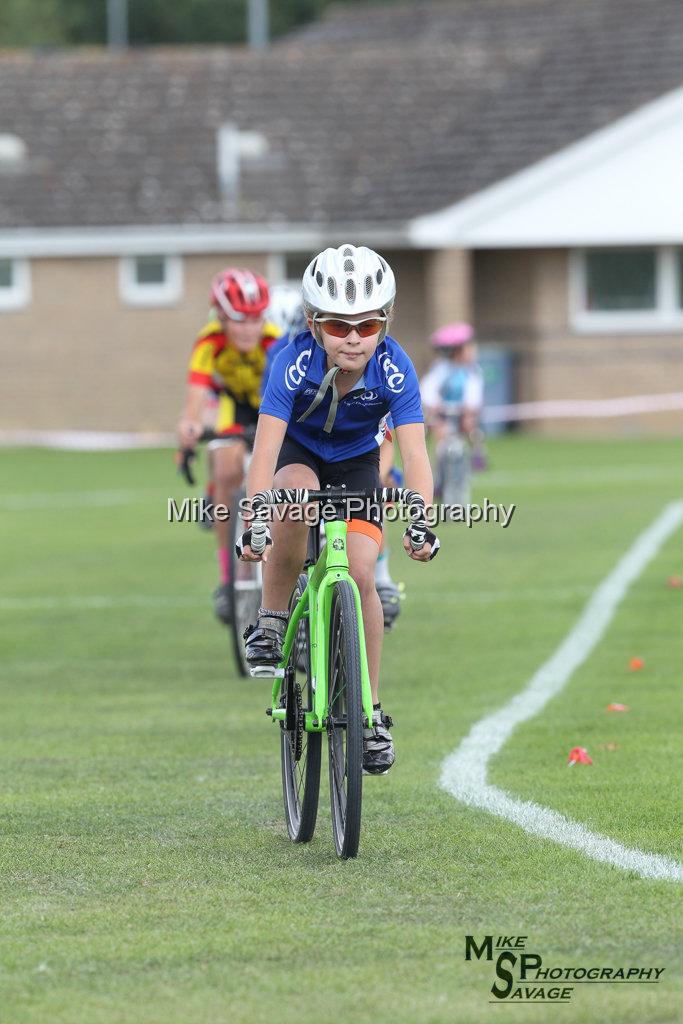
point(348, 280)
point(286, 308)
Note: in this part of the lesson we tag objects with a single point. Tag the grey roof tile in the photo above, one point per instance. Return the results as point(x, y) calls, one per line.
point(380, 116)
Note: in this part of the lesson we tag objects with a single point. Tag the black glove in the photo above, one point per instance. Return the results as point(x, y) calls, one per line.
point(257, 537)
point(418, 534)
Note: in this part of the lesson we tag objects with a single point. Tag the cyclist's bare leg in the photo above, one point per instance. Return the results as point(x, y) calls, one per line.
point(289, 542)
point(363, 552)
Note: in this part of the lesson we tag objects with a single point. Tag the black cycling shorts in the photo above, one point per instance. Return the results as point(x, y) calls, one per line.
point(359, 474)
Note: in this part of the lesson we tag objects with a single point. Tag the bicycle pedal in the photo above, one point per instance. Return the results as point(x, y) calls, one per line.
point(266, 671)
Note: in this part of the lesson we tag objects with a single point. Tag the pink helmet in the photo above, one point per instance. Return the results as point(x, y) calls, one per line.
point(452, 335)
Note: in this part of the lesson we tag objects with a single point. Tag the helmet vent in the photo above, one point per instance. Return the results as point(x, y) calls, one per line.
point(384, 266)
point(368, 287)
point(347, 251)
point(379, 275)
point(350, 292)
point(348, 267)
point(332, 287)
point(312, 269)
point(319, 279)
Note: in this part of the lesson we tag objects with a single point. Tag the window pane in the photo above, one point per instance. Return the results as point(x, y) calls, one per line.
point(619, 279)
point(295, 264)
point(150, 270)
point(6, 275)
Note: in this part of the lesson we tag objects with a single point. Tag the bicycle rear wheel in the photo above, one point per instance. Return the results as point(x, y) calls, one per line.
point(299, 750)
point(245, 587)
point(345, 722)
point(455, 472)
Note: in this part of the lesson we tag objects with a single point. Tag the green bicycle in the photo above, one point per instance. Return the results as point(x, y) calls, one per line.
point(322, 683)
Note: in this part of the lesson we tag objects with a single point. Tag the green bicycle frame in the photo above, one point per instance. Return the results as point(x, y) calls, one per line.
point(316, 604)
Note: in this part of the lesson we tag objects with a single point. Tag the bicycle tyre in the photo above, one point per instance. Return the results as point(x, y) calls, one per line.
point(345, 722)
point(245, 591)
point(300, 774)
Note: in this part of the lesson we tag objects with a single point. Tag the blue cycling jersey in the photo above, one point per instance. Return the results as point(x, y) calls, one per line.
point(453, 388)
point(389, 385)
point(271, 355)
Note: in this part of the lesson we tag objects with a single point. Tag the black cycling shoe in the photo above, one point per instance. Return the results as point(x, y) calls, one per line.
point(222, 603)
point(378, 746)
point(263, 648)
point(391, 596)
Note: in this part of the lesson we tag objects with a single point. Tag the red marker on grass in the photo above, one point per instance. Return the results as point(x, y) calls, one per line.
point(579, 755)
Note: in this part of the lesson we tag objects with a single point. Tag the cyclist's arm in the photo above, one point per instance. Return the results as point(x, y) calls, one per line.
point(430, 386)
point(270, 434)
point(417, 471)
point(418, 476)
point(386, 458)
point(276, 411)
point(198, 382)
point(190, 425)
point(472, 402)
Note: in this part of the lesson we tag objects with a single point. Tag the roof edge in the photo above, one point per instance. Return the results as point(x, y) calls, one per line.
point(457, 225)
point(190, 239)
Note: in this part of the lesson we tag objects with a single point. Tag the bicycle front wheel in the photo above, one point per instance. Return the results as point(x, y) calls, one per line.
point(345, 722)
point(245, 587)
point(299, 750)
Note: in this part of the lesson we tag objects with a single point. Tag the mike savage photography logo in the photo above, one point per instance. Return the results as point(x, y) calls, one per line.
point(525, 977)
point(196, 510)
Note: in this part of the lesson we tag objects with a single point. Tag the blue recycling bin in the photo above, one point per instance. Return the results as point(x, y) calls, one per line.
point(497, 368)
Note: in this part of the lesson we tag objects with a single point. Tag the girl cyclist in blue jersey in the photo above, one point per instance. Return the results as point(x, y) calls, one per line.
point(322, 421)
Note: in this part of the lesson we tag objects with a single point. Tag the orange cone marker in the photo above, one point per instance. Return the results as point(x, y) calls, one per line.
point(675, 582)
point(635, 664)
point(618, 707)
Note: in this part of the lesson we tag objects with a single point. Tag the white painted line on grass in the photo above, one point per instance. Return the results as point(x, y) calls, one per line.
point(73, 499)
point(463, 773)
point(95, 603)
point(575, 476)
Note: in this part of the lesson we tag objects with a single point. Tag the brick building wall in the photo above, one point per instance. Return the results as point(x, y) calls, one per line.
point(78, 358)
point(521, 301)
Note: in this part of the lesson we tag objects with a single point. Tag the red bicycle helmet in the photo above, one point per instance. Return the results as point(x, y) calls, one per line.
point(240, 294)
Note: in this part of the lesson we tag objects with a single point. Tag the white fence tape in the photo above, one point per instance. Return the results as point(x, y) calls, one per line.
point(84, 440)
point(585, 408)
point(569, 408)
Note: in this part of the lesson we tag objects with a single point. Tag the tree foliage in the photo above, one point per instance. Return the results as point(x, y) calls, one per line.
point(77, 22)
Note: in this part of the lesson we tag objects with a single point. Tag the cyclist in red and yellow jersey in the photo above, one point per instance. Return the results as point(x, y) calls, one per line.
point(227, 360)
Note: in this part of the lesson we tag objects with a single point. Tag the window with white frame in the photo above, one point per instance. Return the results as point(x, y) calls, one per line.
point(288, 267)
point(624, 289)
point(150, 280)
point(15, 284)
point(295, 264)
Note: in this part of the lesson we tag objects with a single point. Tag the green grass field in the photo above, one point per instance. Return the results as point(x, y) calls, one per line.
point(146, 875)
